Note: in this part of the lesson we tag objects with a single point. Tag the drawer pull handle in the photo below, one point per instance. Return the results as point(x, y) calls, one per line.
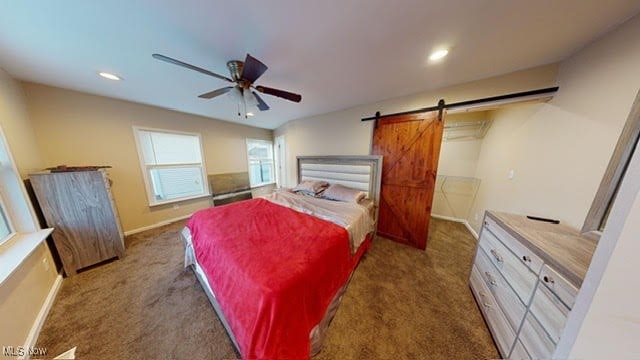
point(548, 279)
point(496, 255)
point(484, 303)
point(526, 258)
point(492, 280)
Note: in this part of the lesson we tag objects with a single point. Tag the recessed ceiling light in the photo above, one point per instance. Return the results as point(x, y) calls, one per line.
point(250, 114)
point(109, 76)
point(438, 54)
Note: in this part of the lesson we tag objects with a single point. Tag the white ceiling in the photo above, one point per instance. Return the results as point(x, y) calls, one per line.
point(336, 53)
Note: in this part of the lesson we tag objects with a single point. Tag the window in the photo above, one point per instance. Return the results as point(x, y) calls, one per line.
point(20, 233)
point(7, 176)
point(261, 169)
point(172, 165)
point(6, 230)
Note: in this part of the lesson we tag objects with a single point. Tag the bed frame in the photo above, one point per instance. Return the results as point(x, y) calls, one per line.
point(359, 172)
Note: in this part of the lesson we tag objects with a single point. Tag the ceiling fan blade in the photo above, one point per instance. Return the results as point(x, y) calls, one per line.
point(252, 69)
point(215, 93)
point(189, 66)
point(280, 93)
point(262, 106)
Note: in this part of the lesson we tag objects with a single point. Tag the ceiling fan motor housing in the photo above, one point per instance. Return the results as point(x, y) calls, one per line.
point(235, 68)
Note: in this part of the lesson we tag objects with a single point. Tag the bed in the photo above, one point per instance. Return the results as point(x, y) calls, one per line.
point(275, 268)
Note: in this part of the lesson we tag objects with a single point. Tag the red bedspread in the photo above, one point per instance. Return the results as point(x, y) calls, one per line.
point(273, 270)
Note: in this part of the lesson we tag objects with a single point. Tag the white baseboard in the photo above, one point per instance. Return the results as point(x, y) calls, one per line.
point(42, 315)
point(156, 225)
point(463, 221)
point(448, 218)
point(473, 232)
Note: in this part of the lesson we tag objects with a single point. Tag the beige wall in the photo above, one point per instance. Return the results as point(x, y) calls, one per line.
point(460, 157)
point(24, 292)
point(22, 296)
point(342, 132)
point(14, 119)
point(75, 128)
point(559, 150)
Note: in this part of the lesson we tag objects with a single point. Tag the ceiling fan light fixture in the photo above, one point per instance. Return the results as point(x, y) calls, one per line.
point(235, 95)
point(249, 98)
point(109, 76)
point(438, 55)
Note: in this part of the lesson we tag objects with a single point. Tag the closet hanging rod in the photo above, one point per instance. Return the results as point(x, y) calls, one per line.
point(532, 94)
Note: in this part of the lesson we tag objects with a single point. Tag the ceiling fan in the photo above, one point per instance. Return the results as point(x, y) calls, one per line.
point(243, 74)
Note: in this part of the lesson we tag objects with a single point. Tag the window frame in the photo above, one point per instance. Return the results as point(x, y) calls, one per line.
point(273, 165)
point(7, 217)
point(148, 184)
point(597, 216)
point(26, 234)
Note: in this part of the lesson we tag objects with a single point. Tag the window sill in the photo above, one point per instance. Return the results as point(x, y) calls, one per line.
point(166, 202)
point(263, 184)
point(17, 249)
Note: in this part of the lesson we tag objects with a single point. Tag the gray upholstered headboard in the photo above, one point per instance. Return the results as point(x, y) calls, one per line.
point(359, 172)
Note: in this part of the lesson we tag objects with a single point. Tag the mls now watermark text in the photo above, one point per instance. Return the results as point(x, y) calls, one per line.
point(23, 351)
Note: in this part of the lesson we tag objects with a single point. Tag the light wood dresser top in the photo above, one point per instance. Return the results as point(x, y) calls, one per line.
point(560, 246)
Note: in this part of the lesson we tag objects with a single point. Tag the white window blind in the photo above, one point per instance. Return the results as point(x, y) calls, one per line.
point(172, 165)
point(261, 165)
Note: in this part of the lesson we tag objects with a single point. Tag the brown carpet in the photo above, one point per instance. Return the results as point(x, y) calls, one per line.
point(402, 303)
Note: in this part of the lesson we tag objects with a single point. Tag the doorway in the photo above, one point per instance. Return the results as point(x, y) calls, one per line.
point(280, 150)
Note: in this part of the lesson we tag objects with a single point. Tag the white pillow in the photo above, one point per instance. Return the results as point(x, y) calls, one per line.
point(343, 193)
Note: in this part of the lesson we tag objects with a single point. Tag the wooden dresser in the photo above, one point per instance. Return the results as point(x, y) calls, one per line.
point(525, 278)
point(79, 206)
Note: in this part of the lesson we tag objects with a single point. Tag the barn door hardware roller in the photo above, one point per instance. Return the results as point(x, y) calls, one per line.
point(440, 109)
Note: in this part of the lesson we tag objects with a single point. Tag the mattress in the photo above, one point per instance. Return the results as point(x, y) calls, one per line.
point(317, 334)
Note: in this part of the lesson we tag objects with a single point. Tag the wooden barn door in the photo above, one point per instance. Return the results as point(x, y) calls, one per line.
point(410, 146)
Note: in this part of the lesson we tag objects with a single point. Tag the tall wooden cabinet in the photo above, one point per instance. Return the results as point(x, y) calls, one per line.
point(80, 207)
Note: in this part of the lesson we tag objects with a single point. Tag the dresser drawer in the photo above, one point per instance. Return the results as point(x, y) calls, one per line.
point(504, 295)
point(550, 312)
point(526, 256)
point(535, 340)
point(521, 279)
point(559, 286)
point(502, 332)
